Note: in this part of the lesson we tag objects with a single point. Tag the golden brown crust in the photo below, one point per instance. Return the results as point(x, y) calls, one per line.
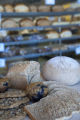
point(26, 22)
point(9, 8)
point(57, 8)
point(43, 22)
point(8, 23)
point(33, 8)
point(44, 8)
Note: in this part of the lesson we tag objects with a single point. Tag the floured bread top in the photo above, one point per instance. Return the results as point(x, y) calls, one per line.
point(21, 8)
point(62, 69)
point(66, 33)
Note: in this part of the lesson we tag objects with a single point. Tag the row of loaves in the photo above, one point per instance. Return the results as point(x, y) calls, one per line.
point(33, 8)
point(41, 21)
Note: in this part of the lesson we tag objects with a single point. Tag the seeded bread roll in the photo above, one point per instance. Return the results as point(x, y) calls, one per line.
point(33, 8)
point(9, 23)
point(1, 8)
point(66, 33)
point(26, 22)
point(57, 8)
point(8, 8)
point(42, 22)
point(62, 69)
point(44, 8)
point(52, 35)
point(23, 73)
point(21, 8)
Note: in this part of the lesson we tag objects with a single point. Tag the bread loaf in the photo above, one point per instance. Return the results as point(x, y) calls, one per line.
point(58, 8)
point(33, 8)
point(66, 33)
point(44, 8)
point(26, 22)
point(56, 106)
point(1, 8)
point(43, 22)
point(23, 73)
point(52, 35)
point(9, 8)
point(21, 8)
point(62, 69)
point(9, 23)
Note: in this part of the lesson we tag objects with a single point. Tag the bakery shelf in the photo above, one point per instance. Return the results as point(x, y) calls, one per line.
point(41, 27)
point(35, 14)
point(36, 55)
point(29, 42)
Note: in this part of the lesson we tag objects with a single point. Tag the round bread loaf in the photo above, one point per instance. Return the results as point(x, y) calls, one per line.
point(43, 22)
point(21, 8)
point(58, 8)
point(33, 8)
point(44, 8)
point(9, 8)
point(66, 33)
point(9, 23)
point(26, 22)
point(1, 8)
point(62, 69)
point(52, 35)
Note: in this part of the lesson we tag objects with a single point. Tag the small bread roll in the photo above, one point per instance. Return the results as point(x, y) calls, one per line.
point(62, 69)
point(21, 8)
point(43, 22)
point(66, 33)
point(9, 23)
point(27, 22)
point(9, 8)
point(33, 8)
point(52, 35)
point(58, 8)
point(1, 8)
point(44, 8)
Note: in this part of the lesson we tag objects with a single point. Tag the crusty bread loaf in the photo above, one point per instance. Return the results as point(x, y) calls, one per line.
point(9, 23)
point(66, 33)
point(1, 8)
point(44, 8)
point(23, 73)
point(26, 22)
point(8, 8)
point(42, 22)
point(21, 8)
point(58, 8)
point(57, 106)
point(52, 35)
point(62, 69)
point(33, 8)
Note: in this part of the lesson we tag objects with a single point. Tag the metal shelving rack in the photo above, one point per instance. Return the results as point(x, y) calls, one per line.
point(28, 42)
